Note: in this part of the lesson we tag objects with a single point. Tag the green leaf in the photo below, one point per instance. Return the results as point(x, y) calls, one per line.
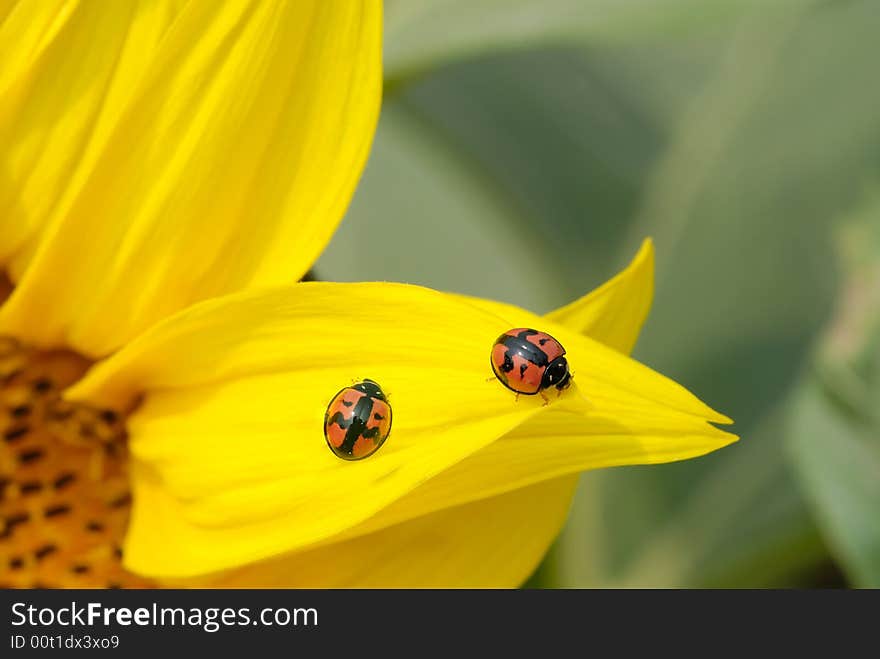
point(598, 154)
point(423, 214)
point(424, 34)
point(567, 150)
point(743, 524)
point(772, 150)
point(737, 148)
point(838, 460)
point(834, 436)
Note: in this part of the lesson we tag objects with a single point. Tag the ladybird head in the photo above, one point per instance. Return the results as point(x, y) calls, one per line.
point(557, 375)
point(370, 388)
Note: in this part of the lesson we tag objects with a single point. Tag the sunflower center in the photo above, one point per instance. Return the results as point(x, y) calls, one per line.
point(64, 487)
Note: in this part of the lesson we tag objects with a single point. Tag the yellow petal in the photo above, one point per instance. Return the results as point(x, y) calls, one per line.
point(557, 444)
point(231, 463)
point(228, 166)
point(57, 109)
point(485, 544)
point(612, 314)
point(498, 541)
point(615, 312)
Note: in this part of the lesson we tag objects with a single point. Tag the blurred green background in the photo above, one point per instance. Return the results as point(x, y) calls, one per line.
point(525, 149)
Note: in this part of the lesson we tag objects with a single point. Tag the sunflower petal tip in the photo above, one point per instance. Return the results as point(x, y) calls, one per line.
point(729, 438)
point(711, 415)
point(644, 258)
point(720, 439)
point(722, 419)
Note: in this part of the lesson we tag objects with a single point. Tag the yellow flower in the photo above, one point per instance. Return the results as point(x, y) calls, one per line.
point(159, 195)
point(154, 154)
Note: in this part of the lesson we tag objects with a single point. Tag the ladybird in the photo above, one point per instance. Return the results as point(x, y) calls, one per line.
point(528, 362)
point(357, 421)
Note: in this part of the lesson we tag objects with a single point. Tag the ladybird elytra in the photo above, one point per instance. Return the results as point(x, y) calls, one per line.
point(357, 421)
point(528, 361)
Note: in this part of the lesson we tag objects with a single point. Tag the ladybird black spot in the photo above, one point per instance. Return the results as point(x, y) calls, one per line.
point(117, 553)
point(44, 551)
point(94, 527)
point(15, 433)
point(339, 420)
point(109, 416)
point(113, 585)
point(378, 416)
point(80, 569)
point(542, 341)
point(16, 563)
point(347, 403)
point(523, 369)
point(55, 511)
point(29, 456)
point(507, 366)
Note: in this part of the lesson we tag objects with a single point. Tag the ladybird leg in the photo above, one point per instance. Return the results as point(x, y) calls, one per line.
point(516, 399)
point(492, 379)
point(546, 400)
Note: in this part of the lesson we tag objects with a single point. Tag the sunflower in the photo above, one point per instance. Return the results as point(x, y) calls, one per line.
point(163, 384)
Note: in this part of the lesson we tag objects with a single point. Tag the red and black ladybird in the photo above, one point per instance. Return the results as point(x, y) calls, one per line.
point(357, 421)
point(528, 362)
